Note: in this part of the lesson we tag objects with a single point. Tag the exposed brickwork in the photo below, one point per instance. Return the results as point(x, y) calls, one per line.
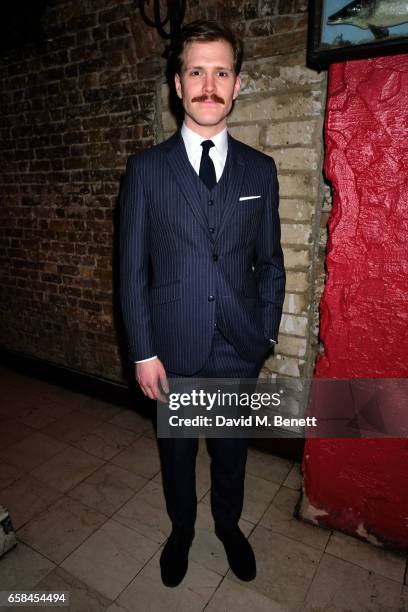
point(75, 106)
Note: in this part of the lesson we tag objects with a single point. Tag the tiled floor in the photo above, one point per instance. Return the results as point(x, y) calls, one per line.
point(81, 479)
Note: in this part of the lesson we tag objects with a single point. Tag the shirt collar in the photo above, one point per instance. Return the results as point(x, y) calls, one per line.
point(193, 141)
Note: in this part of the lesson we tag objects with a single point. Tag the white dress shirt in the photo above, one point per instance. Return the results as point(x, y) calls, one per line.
point(218, 153)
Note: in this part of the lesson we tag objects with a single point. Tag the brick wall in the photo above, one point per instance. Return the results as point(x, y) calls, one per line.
point(74, 107)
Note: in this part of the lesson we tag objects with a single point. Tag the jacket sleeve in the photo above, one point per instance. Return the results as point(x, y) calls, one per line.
point(268, 264)
point(134, 260)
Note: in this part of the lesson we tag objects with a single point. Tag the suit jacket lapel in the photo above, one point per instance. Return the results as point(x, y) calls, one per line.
point(180, 165)
point(236, 176)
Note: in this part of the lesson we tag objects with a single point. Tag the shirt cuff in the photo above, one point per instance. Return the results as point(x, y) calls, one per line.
point(148, 359)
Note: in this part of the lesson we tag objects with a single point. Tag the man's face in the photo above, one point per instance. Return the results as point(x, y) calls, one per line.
point(207, 85)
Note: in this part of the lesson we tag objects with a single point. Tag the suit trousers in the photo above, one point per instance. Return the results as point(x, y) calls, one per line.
point(228, 455)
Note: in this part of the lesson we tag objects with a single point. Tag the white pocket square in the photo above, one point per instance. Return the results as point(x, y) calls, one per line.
point(241, 199)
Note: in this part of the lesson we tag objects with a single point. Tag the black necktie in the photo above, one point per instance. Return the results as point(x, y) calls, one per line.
point(207, 170)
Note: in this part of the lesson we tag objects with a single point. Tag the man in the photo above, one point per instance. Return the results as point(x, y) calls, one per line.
point(202, 277)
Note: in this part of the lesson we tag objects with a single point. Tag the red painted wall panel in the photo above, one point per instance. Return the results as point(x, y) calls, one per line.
point(362, 485)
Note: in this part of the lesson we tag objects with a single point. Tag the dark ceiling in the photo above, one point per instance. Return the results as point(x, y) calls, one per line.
point(20, 23)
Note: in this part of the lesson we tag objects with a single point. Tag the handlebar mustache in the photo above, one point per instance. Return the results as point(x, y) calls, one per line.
point(213, 97)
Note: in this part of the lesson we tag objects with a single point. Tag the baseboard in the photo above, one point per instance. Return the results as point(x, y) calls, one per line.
point(68, 378)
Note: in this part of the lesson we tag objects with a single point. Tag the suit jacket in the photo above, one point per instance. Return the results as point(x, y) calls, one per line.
point(179, 276)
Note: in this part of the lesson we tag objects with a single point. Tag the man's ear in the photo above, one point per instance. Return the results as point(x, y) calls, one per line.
point(237, 86)
point(177, 83)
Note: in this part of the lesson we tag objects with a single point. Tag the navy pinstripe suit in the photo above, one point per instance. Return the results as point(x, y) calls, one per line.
point(191, 258)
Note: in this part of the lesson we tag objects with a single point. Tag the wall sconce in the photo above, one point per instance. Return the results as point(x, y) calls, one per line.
point(175, 15)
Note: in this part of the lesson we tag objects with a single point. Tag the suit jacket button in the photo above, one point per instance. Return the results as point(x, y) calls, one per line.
point(212, 230)
point(210, 202)
point(211, 298)
point(215, 257)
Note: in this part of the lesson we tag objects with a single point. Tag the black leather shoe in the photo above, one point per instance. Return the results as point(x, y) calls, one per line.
point(174, 557)
point(239, 553)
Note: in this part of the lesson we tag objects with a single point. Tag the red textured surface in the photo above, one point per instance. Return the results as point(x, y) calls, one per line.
point(364, 308)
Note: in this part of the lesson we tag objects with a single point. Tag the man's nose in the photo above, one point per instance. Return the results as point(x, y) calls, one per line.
point(209, 83)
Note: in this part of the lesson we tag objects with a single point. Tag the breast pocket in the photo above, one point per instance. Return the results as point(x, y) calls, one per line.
point(162, 294)
point(246, 218)
point(250, 207)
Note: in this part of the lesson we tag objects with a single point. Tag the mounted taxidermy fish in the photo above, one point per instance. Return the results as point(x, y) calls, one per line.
point(375, 15)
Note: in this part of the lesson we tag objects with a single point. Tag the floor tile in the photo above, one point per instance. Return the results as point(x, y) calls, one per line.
point(12, 431)
point(9, 376)
point(130, 419)
point(267, 466)
point(67, 469)
point(108, 488)
point(105, 441)
point(367, 556)
point(258, 495)
point(56, 532)
point(36, 417)
point(32, 451)
point(150, 432)
point(97, 408)
point(340, 585)
point(14, 401)
point(110, 558)
point(22, 568)
point(294, 479)
point(233, 597)
point(26, 498)
point(285, 568)
point(115, 608)
point(279, 517)
point(151, 595)
point(8, 473)
point(142, 457)
point(58, 402)
point(72, 426)
point(29, 384)
point(106, 521)
point(50, 400)
point(146, 513)
point(82, 598)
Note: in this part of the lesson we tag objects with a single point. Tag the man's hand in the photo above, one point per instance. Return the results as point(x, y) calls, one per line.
point(148, 374)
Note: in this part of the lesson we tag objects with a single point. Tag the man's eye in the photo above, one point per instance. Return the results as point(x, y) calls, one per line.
point(222, 73)
point(195, 72)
